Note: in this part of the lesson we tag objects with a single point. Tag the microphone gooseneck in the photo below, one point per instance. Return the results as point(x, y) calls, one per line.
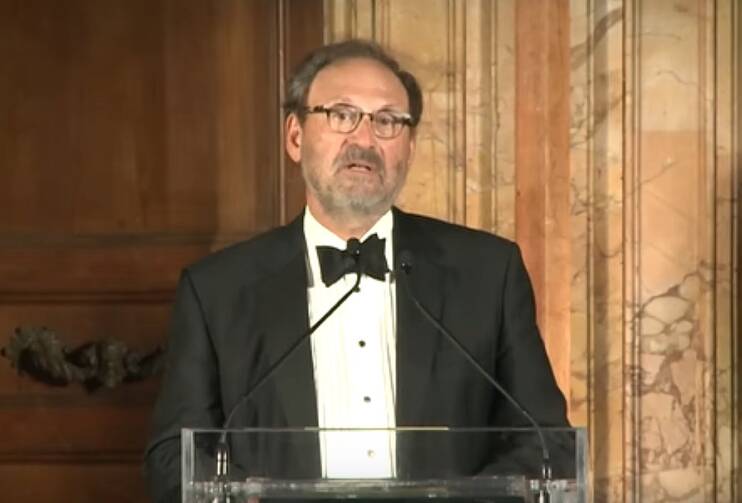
point(222, 448)
point(406, 263)
point(273, 368)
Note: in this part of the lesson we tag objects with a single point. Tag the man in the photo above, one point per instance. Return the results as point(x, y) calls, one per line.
point(351, 123)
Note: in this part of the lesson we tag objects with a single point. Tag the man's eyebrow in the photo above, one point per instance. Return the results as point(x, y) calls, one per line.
point(340, 100)
point(333, 103)
point(344, 100)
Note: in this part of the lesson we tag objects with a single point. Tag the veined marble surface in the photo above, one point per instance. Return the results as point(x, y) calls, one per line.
point(653, 210)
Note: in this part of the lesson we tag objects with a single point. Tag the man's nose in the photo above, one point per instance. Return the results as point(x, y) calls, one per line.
point(364, 132)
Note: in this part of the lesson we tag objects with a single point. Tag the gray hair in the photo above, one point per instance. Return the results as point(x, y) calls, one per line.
point(298, 86)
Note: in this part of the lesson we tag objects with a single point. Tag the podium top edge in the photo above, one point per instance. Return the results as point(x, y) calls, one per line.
point(401, 429)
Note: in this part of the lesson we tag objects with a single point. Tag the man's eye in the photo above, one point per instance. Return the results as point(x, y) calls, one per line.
point(342, 115)
point(384, 119)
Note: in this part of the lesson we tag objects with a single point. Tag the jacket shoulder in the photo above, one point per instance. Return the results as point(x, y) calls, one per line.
point(249, 260)
point(459, 244)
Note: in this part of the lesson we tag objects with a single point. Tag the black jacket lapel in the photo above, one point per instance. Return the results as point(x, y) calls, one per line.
point(417, 339)
point(282, 304)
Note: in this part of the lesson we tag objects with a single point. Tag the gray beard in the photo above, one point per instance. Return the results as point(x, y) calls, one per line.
point(346, 206)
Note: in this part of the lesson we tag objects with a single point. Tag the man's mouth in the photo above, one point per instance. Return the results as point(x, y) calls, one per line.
point(355, 166)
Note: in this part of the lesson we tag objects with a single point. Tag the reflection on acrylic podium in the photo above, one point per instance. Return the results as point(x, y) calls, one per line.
point(454, 464)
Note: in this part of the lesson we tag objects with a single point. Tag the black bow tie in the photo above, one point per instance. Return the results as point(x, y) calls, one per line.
point(369, 256)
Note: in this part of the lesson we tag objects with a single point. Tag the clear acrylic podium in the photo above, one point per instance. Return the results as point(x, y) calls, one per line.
point(454, 464)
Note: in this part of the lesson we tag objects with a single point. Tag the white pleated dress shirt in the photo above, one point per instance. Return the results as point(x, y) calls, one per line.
point(354, 357)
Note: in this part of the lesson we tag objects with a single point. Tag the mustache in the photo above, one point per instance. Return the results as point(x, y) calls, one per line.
point(355, 154)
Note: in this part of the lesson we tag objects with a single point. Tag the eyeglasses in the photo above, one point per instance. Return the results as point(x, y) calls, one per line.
point(346, 118)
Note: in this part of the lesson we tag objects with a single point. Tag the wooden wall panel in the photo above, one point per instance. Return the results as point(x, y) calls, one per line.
point(47, 432)
point(96, 481)
point(135, 138)
point(87, 132)
point(69, 268)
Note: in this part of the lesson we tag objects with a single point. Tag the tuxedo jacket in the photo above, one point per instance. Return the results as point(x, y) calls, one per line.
point(239, 310)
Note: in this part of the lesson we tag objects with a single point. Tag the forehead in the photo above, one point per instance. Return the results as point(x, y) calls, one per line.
point(360, 81)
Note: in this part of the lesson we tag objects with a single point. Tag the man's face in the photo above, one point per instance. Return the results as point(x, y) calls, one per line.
point(357, 173)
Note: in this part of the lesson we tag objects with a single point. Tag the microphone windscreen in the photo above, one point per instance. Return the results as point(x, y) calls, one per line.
point(353, 247)
point(406, 261)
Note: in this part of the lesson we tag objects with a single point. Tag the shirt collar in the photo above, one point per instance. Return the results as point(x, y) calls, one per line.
point(317, 234)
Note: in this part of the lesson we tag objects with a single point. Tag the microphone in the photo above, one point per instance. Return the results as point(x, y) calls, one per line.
point(406, 263)
point(222, 449)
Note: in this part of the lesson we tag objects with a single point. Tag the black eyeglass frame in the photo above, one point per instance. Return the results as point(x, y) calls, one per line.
point(399, 119)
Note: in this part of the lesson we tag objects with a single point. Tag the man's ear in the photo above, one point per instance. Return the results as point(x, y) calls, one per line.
point(293, 137)
point(413, 146)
